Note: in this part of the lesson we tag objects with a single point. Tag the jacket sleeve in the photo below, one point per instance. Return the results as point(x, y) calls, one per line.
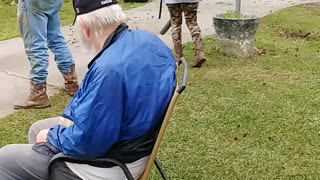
point(97, 118)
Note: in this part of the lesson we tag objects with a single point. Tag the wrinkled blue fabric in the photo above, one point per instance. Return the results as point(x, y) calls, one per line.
point(124, 93)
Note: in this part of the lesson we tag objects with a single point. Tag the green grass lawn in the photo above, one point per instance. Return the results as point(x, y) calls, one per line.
point(254, 118)
point(8, 20)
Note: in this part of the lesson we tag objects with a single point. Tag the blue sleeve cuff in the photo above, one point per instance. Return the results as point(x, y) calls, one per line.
point(53, 136)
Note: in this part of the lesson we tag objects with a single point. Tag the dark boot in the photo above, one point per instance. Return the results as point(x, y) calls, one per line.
point(179, 51)
point(199, 52)
point(71, 82)
point(37, 99)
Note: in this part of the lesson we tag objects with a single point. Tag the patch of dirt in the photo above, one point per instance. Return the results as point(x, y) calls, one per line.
point(260, 51)
point(309, 8)
point(314, 7)
point(294, 34)
point(299, 34)
point(245, 134)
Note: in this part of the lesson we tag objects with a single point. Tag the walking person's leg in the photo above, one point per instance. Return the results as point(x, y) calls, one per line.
point(190, 12)
point(33, 28)
point(61, 51)
point(175, 11)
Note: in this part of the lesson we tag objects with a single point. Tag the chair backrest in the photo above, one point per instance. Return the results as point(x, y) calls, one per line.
point(167, 117)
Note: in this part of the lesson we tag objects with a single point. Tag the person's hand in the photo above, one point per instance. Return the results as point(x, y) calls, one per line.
point(42, 136)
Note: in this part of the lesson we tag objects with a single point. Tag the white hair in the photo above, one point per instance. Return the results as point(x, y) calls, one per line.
point(101, 18)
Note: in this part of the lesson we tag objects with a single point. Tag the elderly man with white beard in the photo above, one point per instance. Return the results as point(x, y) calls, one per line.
point(121, 101)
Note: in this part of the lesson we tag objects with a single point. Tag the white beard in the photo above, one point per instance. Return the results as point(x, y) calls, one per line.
point(88, 45)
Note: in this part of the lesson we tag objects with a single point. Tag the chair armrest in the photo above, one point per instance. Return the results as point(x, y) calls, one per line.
point(183, 85)
point(62, 157)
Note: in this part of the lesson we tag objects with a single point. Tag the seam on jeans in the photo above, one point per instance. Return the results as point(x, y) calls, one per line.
point(28, 26)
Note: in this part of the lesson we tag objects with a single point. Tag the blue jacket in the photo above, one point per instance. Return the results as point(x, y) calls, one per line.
point(124, 93)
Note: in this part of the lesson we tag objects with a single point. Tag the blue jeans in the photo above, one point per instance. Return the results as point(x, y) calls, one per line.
point(39, 24)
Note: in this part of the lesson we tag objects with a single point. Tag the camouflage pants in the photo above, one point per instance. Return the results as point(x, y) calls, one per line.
point(190, 13)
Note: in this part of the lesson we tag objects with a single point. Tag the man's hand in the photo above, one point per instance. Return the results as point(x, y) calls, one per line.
point(42, 136)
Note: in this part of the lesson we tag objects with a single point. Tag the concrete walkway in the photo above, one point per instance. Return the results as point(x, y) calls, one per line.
point(14, 65)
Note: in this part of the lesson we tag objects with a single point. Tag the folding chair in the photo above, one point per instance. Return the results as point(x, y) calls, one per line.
point(152, 159)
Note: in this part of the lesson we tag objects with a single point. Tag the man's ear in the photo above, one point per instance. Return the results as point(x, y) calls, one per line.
point(85, 30)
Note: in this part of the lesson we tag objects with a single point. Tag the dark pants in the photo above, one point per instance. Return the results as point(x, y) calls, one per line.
point(21, 162)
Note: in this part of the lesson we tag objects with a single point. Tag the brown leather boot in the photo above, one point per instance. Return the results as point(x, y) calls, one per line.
point(179, 51)
point(37, 99)
point(199, 52)
point(71, 82)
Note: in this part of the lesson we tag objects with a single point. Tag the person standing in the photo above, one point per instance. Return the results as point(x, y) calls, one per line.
point(39, 25)
point(190, 9)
